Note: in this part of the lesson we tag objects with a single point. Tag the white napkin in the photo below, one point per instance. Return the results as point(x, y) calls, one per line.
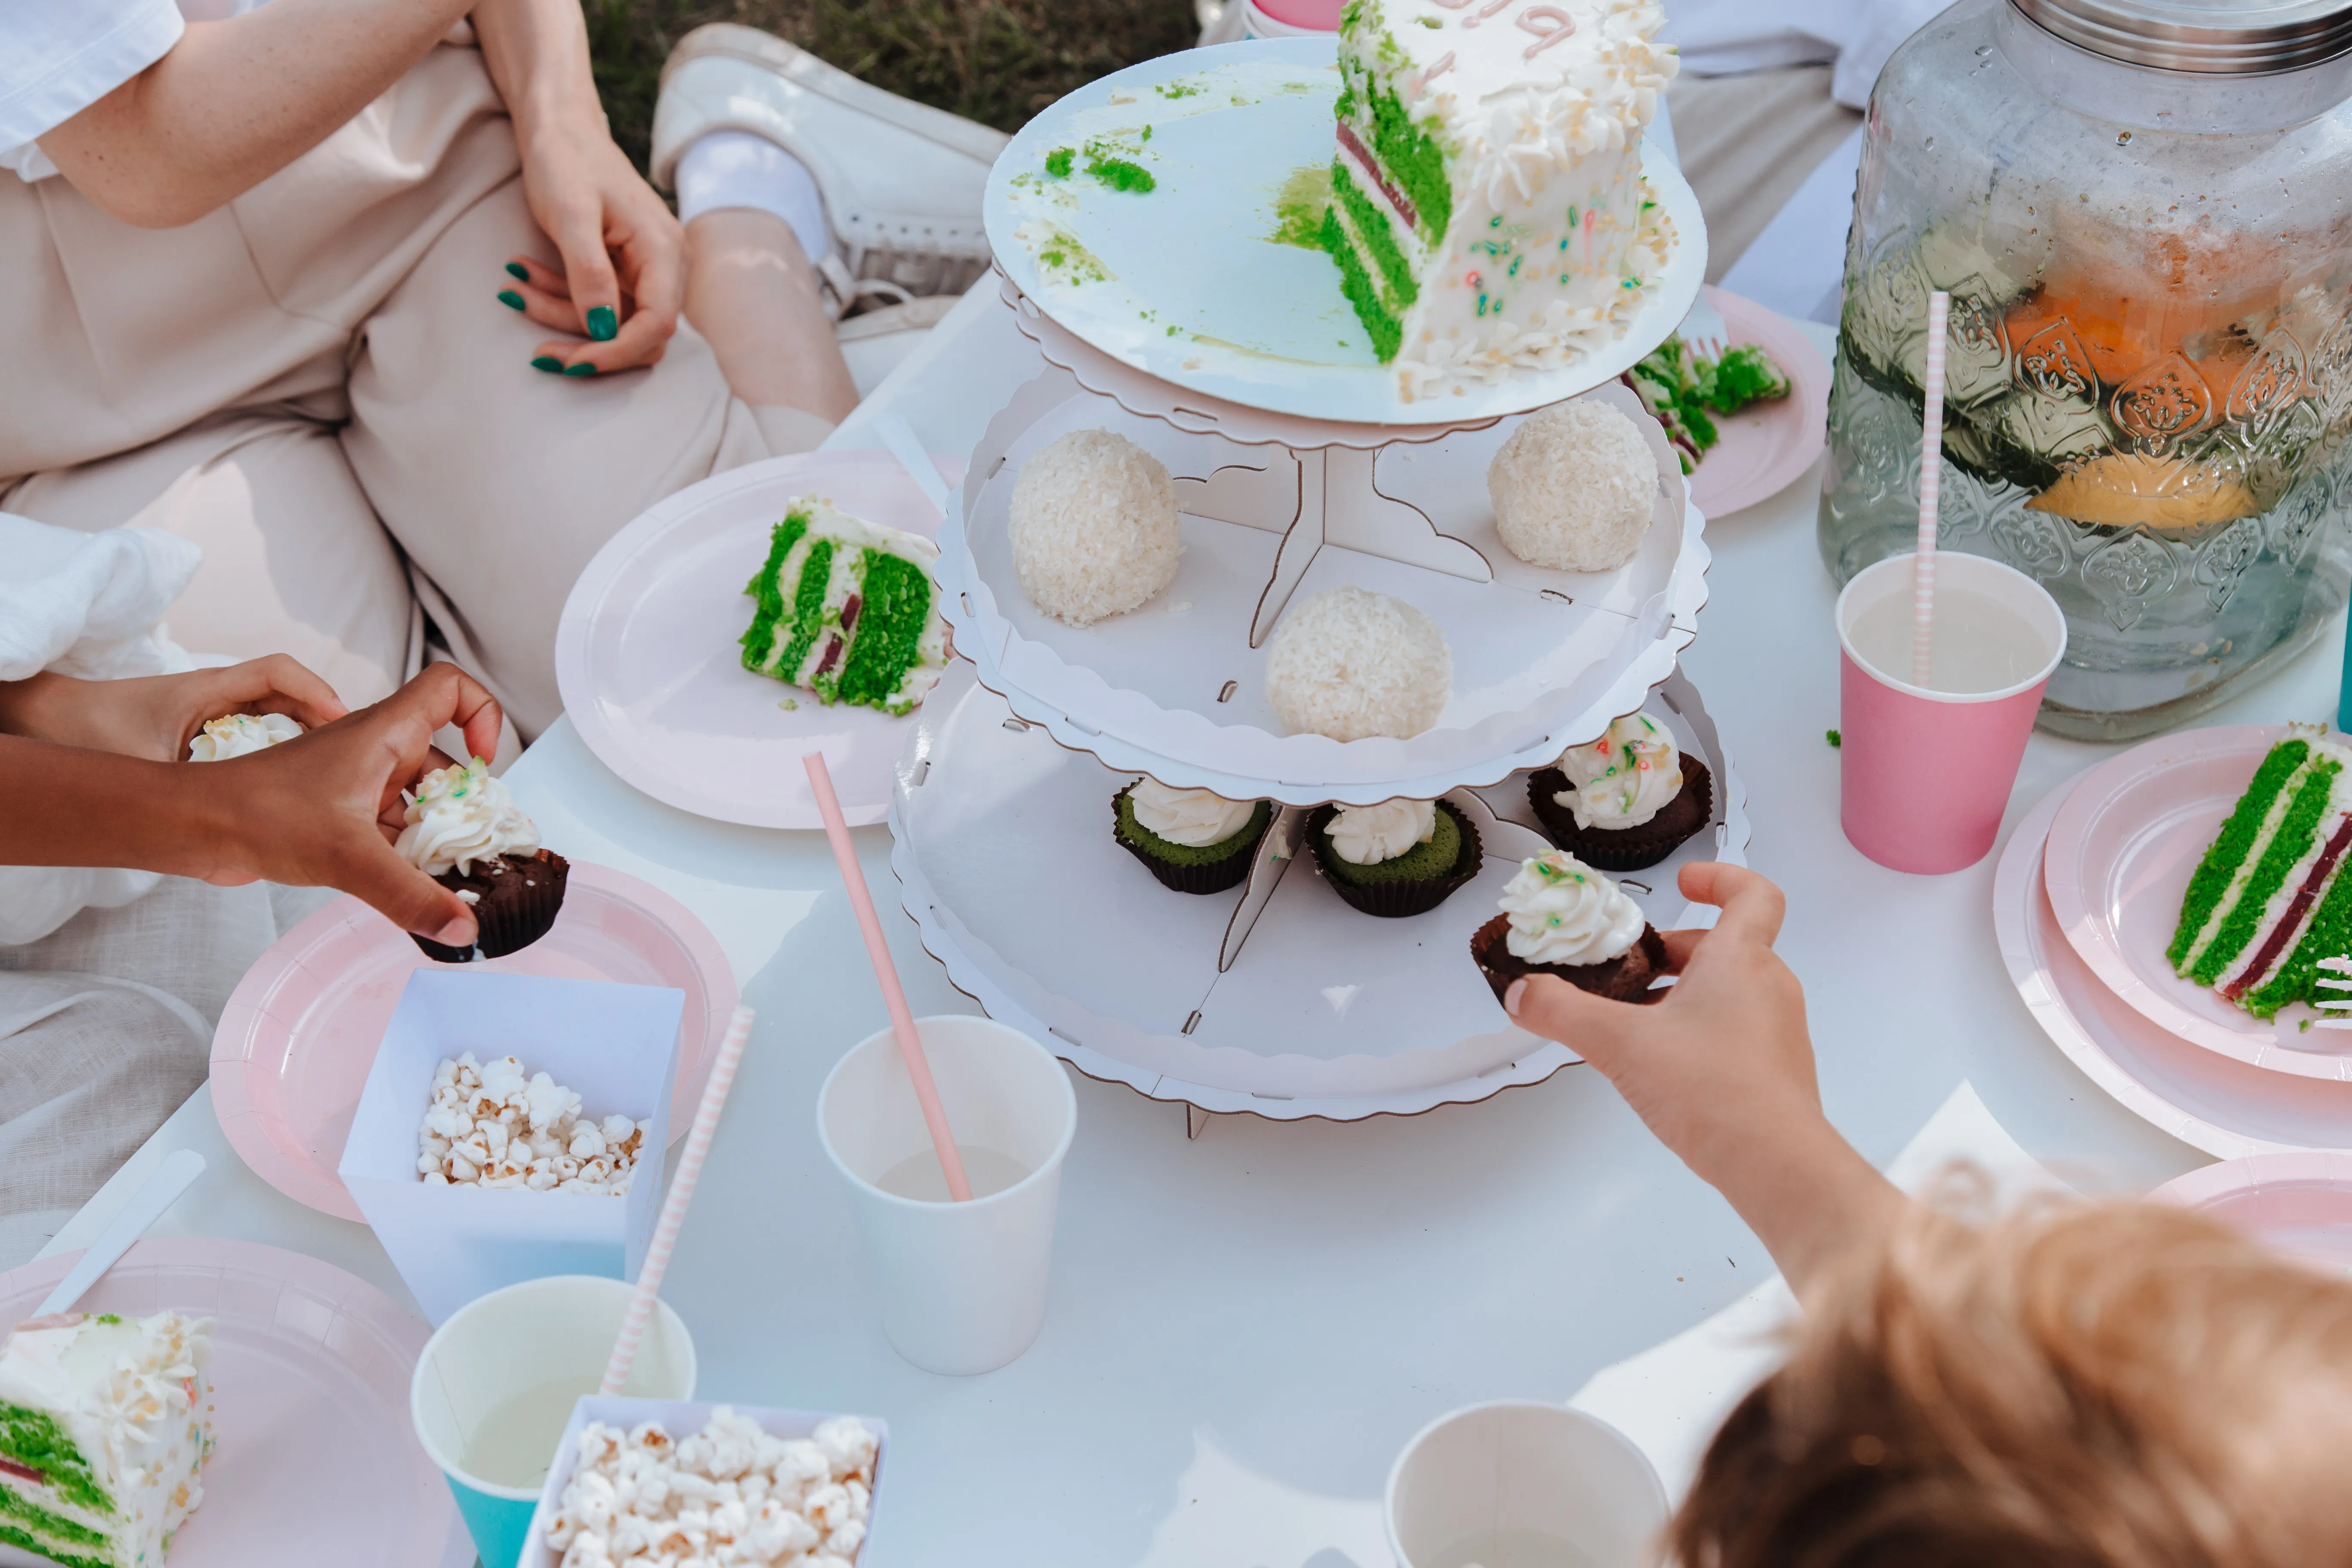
point(83, 605)
point(1671, 1398)
point(1726, 38)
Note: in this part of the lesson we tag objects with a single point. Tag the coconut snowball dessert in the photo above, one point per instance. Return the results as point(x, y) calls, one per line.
point(1351, 664)
point(1397, 859)
point(1192, 840)
point(1562, 918)
point(105, 1423)
point(464, 832)
point(1094, 526)
point(1574, 488)
point(240, 735)
point(846, 610)
point(1626, 800)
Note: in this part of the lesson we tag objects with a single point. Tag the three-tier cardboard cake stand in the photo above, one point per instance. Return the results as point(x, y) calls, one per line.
point(1275, 998)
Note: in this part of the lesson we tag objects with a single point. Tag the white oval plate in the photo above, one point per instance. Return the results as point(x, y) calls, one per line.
point(1192, 290)
point(648, 660)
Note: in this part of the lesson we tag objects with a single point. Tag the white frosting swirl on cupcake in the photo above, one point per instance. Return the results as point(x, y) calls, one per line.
point(1624, 778)
point(1563, 911)
point(1195, 818)
point(1369, 834)
point(459, 815)
point(239, 735)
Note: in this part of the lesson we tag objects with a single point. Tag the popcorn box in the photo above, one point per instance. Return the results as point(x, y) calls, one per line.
point(682, 1419)
point(614, 1046)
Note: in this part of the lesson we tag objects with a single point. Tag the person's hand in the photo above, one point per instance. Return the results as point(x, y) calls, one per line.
point(322, 809)
point(156, 716)
point(622, 279)
point(1721, 1070)
point(1724, 1049)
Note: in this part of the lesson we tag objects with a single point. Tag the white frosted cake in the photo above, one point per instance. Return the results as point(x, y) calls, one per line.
point(104, 1423)
point(1488, 207)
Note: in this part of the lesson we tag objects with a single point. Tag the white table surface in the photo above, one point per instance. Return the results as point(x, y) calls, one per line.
point(1245, 1328)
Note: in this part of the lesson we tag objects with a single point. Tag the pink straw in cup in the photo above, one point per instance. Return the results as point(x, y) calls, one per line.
point(1943, 662)
point(894, 996)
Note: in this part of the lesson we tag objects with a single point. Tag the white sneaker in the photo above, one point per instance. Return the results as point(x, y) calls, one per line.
point(901, 182)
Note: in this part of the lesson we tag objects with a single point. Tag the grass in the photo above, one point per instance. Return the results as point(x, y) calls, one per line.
point(996, 61)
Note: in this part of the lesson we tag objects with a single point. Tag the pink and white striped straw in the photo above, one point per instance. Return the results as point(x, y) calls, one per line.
point(1931, 485)
point(681, 1193)
point(886, 972)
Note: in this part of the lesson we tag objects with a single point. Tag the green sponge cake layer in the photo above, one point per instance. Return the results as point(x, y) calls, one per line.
point(1433, 858)
point(1133, 832)
point(846, 610)
point(2268, 901)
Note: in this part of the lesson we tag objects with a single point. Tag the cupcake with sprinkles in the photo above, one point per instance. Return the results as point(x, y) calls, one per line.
point(1560, 917)
point(1626, 801)
point(462, 829)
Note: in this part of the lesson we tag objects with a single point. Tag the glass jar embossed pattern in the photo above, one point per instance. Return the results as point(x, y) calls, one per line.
point(2148, 392)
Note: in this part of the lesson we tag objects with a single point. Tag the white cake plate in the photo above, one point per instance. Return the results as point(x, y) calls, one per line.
point(1187, 283)
point(1542, 658)
point(1006, 861)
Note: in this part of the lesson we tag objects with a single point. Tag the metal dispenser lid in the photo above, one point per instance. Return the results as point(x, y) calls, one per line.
point(2217, 38)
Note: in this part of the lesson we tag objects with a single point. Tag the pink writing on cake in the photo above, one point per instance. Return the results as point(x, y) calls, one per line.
point(1549, 24)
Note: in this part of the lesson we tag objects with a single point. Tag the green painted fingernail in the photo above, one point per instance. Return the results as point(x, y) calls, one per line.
point(510, 300)
point(518, 270)
point(580, 370)
point(602, 324)
point(547, 362)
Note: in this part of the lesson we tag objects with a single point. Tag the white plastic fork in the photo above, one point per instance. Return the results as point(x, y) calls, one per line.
point(2336, 1004)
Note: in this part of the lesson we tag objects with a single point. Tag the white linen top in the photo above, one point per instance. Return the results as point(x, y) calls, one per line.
point(59, 56)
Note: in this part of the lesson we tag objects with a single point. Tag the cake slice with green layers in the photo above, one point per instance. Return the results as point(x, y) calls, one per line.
point(847, 610)
point(104, 1424)
point(2269, 900)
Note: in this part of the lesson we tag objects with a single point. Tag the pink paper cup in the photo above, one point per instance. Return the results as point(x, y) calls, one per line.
point(1925, 775)
point(1289, 18)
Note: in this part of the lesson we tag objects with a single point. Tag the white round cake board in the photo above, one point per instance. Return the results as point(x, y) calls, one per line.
point(1006, 862)
point(1186, 283)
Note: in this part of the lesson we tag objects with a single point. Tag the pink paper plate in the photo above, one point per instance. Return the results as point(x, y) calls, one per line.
point(2202, 1097)
point(2121, 853)
point(648, 660)
point(1765, 449)
point(316, 1460)
point(2299, 1204)
point(300, 1032)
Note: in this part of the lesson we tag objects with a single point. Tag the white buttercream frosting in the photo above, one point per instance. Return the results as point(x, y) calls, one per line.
point(240, 734)
point(459, 815)
point(1368, 834)
point(1624, 778)
point(1563, 911)
point(1192, 817)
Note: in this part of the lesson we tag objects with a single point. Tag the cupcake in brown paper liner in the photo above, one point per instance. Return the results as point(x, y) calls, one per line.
point(1560, 917)
point(1192, 840)
point(1626, 801)
point(1397, 859)
point(463, 830)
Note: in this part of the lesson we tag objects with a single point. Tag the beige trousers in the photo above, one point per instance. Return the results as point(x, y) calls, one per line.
point(317, 384)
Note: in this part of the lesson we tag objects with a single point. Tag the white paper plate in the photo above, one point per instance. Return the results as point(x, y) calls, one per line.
point(648, 660)
point(2202, 1097)
point(1185, 283)
point(1542, 660)
point(1006, 861)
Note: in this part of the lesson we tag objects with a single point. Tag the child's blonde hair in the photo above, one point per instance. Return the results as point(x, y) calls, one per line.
point(2121, 1385)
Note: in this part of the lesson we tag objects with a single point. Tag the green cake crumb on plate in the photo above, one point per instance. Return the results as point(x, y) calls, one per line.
point(847, 610)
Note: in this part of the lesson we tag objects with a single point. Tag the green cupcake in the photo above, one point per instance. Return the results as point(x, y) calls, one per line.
point(1208, 867)
point(1414, 882)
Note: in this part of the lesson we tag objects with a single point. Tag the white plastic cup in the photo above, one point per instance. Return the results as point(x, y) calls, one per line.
point(1540, 1472)
point(961, 1286)
point(543, 1344)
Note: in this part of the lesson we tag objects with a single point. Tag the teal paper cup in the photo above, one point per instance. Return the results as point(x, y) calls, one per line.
point(495, 1386)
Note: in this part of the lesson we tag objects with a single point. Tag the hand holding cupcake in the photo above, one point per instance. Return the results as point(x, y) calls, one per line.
point(463, 830)
point(1560, 917)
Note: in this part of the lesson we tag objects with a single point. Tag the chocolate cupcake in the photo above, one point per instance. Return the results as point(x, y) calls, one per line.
point(1626, 801)
point(1397, 859)
point(1561, 918)
point(1192, 840)
point(464, 832)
